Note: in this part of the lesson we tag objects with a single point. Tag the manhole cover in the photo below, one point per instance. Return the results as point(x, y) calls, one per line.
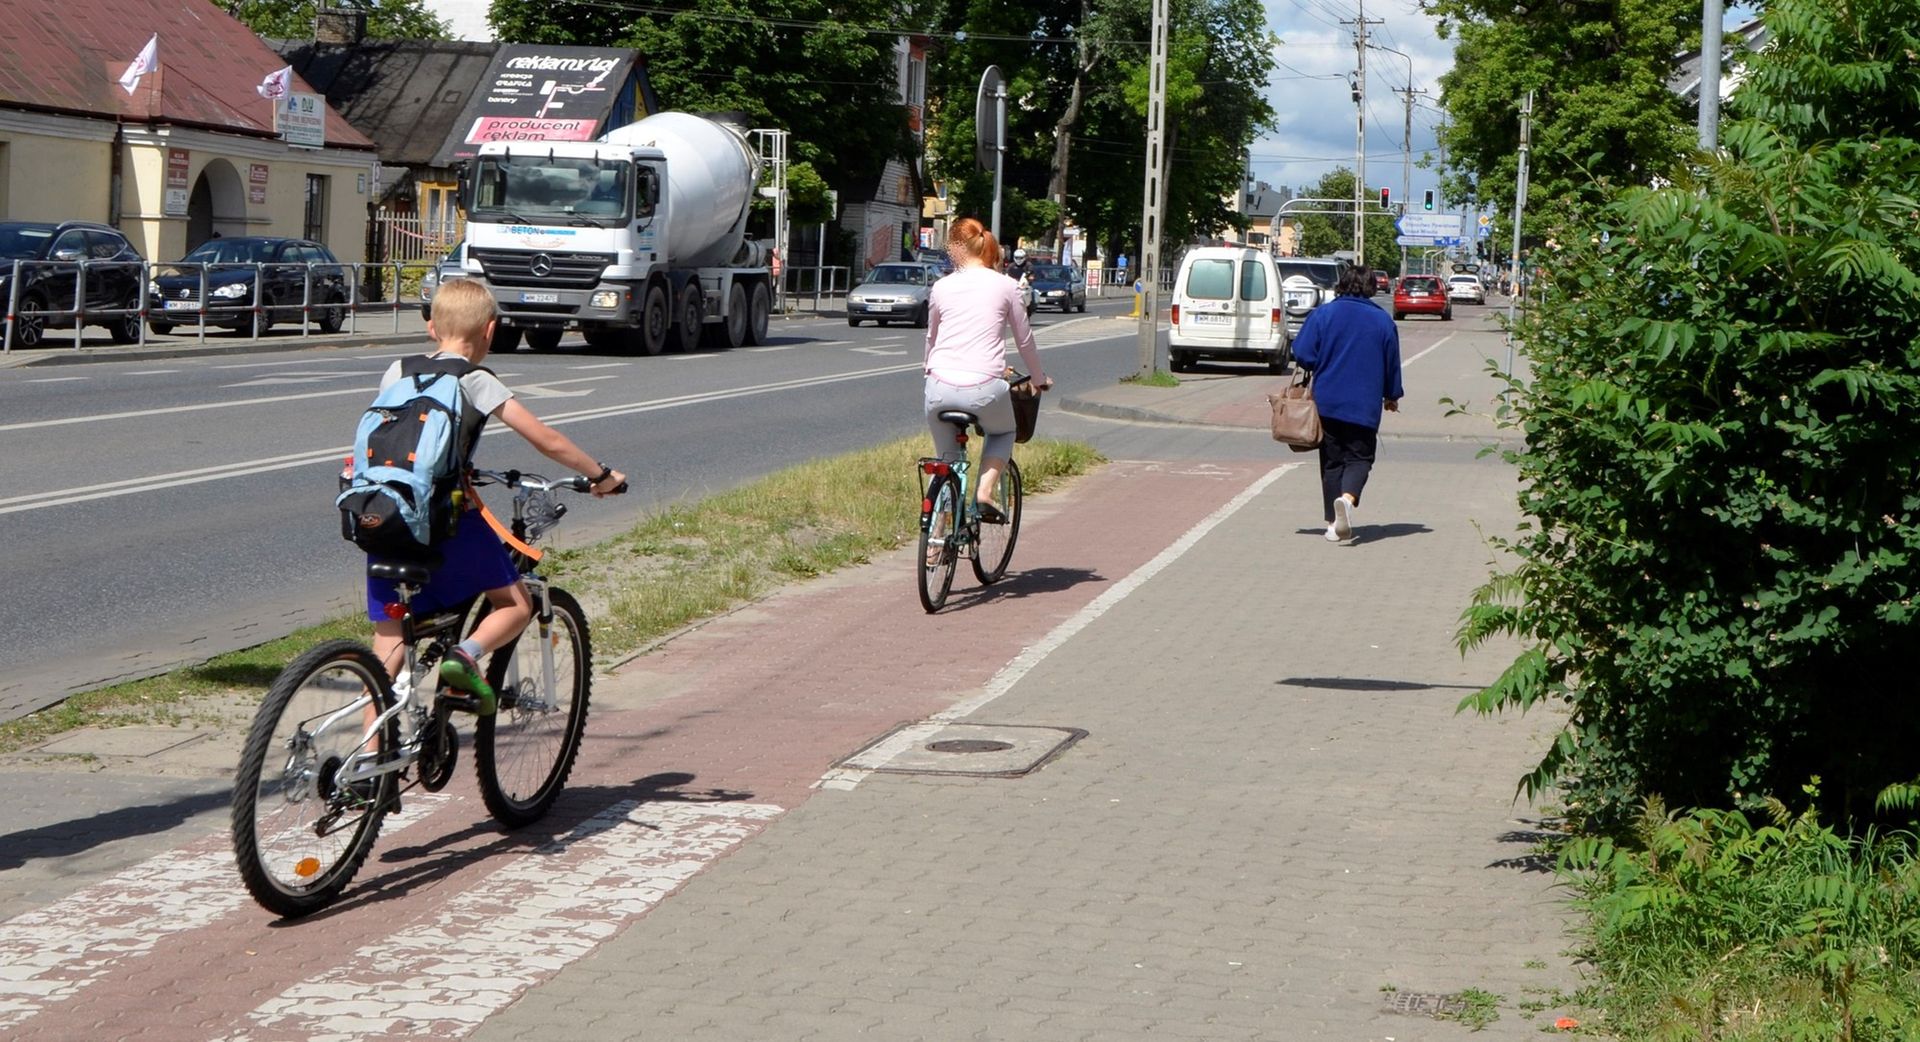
point(969, 745)
point(974, 750)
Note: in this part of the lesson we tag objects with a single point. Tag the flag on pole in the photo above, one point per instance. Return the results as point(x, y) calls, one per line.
point(147, 61)
point(277, 84)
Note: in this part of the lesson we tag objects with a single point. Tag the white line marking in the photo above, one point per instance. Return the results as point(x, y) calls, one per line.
point(50, 954)
point(150, 372)
point(602, 365)
point(55, 379)
point(1429, 350)
point(176, 409)
point(1022, 664)
point(313, 361)
point(689, 358)
point(776, 347)
point(827, 343)
point(537, 914)
point(332, 456)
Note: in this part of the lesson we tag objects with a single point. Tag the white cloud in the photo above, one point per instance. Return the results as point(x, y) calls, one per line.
point(1311, 92)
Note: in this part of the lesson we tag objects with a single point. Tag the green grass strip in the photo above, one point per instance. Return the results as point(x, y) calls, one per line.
point(686, 563)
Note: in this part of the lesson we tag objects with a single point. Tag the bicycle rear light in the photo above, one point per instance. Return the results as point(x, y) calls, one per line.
point(395, 611)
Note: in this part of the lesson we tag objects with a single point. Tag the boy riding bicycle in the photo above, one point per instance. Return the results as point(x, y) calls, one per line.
point(473, 559)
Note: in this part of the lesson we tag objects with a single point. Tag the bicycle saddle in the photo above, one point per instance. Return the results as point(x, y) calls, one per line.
point(400, 571)
point(956, 416)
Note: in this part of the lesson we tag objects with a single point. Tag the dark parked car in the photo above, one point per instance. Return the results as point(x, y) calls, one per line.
point(1060, 286)
point(50, 253)
point(285, 266)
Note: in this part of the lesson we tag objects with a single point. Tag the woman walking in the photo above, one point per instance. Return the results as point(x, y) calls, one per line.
point(1352, 348)
point(966, 361)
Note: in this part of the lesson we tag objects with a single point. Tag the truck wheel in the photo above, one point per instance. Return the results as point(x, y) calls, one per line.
point(733, 328)
point(686, 324)
point(654, 322)
point(759, 311)
point(543, 340)
point(506, 340)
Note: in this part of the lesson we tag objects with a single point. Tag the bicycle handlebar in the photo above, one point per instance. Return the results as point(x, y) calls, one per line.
point(516, 479)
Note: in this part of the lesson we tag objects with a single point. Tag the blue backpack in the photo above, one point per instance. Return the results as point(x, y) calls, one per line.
point(404, 495)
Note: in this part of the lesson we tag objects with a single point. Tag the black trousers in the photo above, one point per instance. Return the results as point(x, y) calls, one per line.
point(1346, 458)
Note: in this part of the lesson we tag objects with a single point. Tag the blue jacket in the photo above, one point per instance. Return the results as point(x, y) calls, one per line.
point(1353, 351)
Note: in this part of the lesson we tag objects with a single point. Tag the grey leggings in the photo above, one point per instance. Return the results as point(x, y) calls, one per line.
point(990, 401)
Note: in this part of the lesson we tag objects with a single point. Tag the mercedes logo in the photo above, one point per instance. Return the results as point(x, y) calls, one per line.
point(542, 265)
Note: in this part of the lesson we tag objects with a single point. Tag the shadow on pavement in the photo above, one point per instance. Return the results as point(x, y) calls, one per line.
point(573, 819)
point(66, 838)
point(1022, 584)
point(1368, 684)
point(1537, 861)
point(1375, 533)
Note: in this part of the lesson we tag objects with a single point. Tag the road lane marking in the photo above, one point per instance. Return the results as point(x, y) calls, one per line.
point(1428, 351)
point(776, 347)
point(537, 914)
point(331, 456)
point(1033, 655)
point(170, 410)
point(877, 351)
point(49, 955)
point(56, 379)
point(150, 372)
point(602, 365)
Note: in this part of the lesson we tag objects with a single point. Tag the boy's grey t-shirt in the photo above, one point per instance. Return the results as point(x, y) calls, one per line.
point(482, 388)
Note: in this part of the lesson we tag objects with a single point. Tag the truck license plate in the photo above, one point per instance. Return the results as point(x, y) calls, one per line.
point(539, 298)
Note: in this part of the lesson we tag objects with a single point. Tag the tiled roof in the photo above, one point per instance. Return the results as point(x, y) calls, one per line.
point(404, 94)
point(67, 56)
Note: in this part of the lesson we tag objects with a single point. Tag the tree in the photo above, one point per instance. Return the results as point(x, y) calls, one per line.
point(1717, 578)
point(1603, 116)
point(823, 71)
point(293, 19)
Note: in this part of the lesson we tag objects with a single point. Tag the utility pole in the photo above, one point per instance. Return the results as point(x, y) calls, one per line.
point(1153, 205)
point(1360, 24)
point(1406, 150)
point(1711, 20)
point(1519, 209)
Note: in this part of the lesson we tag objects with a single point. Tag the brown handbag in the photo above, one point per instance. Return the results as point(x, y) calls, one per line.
point(1296, 420)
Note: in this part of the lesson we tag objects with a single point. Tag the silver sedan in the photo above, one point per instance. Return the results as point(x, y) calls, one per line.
point(893, 293)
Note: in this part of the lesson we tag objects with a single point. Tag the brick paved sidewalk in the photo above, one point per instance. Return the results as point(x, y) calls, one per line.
point(1276, 826)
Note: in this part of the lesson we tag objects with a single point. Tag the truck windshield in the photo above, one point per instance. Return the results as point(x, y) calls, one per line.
point(535, 187)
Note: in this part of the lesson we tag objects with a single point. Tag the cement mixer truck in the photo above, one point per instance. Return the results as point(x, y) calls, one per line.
point(638, 239)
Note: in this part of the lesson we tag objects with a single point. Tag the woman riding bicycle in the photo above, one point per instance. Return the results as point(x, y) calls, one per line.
point(966, 360)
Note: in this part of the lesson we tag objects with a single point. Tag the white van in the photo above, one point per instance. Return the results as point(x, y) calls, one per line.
point(1227, 305)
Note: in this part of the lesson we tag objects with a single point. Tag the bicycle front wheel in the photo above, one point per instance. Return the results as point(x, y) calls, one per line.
point(524, 752)
point(939, 541)
point(995, 548)
point(300, 831)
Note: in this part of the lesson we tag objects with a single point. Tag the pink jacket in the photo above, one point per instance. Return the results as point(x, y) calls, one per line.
point(967, 311)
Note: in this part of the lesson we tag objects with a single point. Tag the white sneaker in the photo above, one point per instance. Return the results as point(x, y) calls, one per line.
point(1342, 520)
point(1332, 536)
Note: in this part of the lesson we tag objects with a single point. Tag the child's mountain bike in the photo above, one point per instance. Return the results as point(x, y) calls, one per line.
point(338, 741)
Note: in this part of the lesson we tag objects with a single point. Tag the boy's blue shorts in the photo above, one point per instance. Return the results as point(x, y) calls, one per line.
point(472, 562)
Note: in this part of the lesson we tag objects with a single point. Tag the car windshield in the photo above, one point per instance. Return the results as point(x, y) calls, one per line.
point(20, 242)
point(532, 187)
point(1475, 279)
point(1050, 272)
point(1322, 275)
point(230, 251)
point(899, 275)
point(1419, 283)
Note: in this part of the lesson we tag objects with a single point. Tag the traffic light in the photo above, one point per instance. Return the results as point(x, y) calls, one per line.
point(1385, 202)
point(1427, 202)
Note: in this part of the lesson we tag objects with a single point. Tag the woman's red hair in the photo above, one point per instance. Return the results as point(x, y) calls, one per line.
point(973, 237)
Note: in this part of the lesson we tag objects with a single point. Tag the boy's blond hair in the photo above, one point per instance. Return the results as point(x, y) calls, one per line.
point(461, 310)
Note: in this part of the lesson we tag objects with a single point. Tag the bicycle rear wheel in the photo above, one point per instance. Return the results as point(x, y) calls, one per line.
point(995, 548)
point(939, 541)
point(524, 752)
point(299, 834)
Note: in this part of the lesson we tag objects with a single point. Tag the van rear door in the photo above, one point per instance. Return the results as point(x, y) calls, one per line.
point(1229, 299)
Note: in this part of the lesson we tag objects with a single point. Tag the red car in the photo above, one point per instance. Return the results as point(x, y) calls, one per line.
point(1381, 281)
point(1421, 295)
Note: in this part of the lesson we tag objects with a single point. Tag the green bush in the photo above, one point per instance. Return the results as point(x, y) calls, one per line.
point(1715, 929)
point(1721, 467)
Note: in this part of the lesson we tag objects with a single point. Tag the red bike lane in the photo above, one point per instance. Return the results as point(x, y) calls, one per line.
point(690, 751)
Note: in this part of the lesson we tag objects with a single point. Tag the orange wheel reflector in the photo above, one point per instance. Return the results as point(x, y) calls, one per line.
point(308, 866)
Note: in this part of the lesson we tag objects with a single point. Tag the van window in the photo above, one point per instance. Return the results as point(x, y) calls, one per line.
point(1210, 280)
point(1253, 280)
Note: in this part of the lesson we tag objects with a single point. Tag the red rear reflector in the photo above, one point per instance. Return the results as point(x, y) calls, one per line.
point(929, 468)
point(1176, 314)
point(396, 611)
point(943, 468)
point(926, 506)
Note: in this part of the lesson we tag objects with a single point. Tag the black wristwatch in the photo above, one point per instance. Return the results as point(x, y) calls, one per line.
point(605, 473)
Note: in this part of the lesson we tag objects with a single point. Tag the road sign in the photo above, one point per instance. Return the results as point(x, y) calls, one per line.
point(986, 117)
point(1429, 224)
point(1414, 240)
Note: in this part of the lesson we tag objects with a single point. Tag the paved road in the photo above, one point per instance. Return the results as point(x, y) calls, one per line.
point(1273, 826)
point(166, 510)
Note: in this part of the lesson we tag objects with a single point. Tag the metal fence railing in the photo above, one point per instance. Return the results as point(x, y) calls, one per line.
point(822, 285)
point(42, 295)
